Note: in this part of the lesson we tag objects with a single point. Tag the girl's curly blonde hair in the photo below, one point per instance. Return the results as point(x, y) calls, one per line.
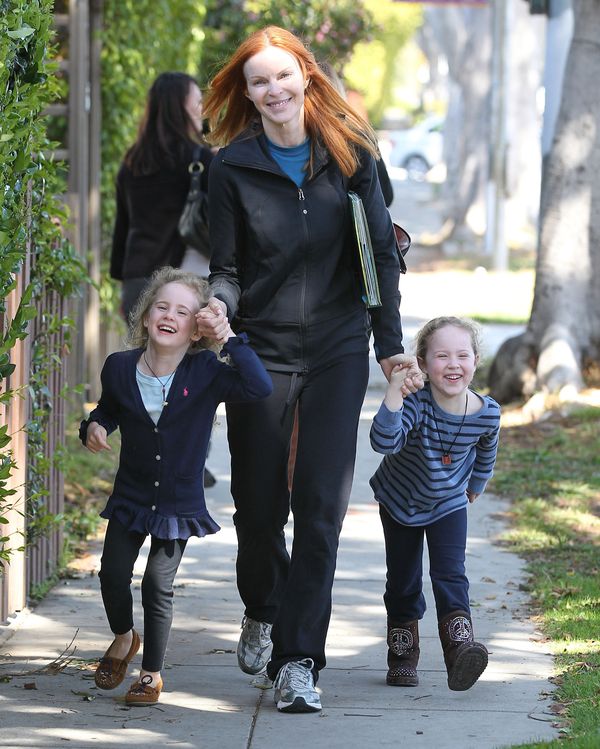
point(138, 333)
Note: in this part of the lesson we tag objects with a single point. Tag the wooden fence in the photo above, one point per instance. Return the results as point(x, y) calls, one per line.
point(43, 552)
point(32, 566)
point(15, 414)
point(81, 21)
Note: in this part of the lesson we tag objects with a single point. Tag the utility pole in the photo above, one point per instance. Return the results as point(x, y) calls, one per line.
point(495, 240)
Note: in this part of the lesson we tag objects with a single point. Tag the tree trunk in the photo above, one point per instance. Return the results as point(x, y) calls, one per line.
point(463, 36)
point(563, 334)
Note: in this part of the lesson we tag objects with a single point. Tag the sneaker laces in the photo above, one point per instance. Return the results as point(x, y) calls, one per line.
point(257, 630)
point(297, 674)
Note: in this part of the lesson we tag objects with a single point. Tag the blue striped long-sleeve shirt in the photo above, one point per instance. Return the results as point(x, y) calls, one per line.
point(412, 483)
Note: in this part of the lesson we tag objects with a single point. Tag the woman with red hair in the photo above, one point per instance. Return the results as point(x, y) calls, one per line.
point(283, 271)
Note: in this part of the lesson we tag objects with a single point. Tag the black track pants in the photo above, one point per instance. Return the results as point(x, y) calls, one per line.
point(295, 593)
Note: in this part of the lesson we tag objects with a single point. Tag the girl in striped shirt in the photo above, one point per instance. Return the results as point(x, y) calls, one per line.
point(440, 448)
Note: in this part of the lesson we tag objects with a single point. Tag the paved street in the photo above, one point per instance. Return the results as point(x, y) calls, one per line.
point(208, 703)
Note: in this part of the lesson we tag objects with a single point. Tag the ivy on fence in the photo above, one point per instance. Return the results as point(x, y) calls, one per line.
point(31, 220)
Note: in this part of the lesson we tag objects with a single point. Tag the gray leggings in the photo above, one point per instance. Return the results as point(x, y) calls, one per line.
point(121, 549)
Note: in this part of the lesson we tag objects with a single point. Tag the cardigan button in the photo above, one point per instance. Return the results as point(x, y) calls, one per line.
point(153, 507)
point(158, 457)
point(156, 429)
point(156, 483)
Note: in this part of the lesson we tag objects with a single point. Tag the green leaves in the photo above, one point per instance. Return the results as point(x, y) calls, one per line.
point(21, 33)
point(4, 440)
point(330, 29)
point(32, 220)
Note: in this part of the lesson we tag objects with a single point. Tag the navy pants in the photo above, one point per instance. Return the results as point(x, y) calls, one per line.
point(121, 549)
point(446, 542)
point(294, 592)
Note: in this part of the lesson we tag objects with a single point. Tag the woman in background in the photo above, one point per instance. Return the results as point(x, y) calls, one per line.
point(152, 186)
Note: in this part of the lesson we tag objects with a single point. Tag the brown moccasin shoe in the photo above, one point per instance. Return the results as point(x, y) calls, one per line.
point(141, 693)
point(111, 671)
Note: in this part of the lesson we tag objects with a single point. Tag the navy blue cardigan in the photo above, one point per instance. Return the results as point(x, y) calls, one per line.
point(159, 488)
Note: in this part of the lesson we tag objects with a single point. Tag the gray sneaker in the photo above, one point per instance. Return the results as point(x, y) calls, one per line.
point(255, 646)
point(295, 690)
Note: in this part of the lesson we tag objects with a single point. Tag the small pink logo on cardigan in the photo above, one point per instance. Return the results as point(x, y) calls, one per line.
point(185, 392)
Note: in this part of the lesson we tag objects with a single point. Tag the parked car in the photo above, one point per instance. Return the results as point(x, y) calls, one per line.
point(417, 149)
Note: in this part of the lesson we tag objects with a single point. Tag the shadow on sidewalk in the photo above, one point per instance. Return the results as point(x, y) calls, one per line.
point(209, 703)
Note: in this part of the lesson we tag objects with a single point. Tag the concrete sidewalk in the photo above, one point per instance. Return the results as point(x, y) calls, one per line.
point(207, 702)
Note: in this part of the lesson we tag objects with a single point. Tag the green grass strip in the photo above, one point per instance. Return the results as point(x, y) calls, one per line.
point(551, 472)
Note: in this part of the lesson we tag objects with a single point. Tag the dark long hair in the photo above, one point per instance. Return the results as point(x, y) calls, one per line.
point(164, 131)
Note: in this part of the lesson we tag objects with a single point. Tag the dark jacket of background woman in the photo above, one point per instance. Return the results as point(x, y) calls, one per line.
point(145, 236)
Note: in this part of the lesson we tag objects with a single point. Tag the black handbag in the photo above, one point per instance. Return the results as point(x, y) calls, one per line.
point(193, 222)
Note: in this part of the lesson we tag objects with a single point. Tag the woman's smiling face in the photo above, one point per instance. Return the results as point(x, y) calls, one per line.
point(275, 84)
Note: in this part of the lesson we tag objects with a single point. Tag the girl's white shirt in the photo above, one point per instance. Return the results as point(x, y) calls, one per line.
point(151, 390)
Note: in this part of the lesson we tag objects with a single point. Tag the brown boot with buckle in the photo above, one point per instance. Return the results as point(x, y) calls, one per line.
point(111, 671)
point(142, 693)
point(403, 654)
point(465, 659)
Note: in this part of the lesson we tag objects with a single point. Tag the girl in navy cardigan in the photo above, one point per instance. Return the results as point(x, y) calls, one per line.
point(162, 395)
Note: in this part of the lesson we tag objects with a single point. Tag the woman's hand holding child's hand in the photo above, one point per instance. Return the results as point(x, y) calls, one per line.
point(413, 380)
point(472, 496)
point(96, 439)
point(212, 321)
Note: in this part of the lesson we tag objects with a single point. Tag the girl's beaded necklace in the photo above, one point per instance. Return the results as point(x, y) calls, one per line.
point(163, 385)
point(446, 458)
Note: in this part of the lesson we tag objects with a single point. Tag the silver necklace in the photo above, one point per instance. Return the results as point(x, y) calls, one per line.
point(446, 458)
point(163, 385)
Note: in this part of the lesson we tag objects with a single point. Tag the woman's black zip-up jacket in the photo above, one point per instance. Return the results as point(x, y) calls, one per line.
point(284, 258)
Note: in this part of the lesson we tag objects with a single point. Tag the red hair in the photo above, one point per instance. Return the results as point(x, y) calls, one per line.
point(327, 116)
